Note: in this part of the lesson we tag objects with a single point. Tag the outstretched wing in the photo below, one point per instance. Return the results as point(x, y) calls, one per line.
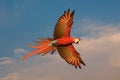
point(63, 25)
point(70, 55)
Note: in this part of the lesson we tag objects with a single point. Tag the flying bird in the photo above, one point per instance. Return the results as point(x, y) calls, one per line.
point(61, 41)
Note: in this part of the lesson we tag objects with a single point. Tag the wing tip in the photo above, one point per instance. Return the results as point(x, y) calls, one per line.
point(68, 11)
point(78, 67)
point(81, 61)
point(72, 14)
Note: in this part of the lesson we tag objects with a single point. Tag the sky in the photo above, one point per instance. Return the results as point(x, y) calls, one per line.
point(96, 22)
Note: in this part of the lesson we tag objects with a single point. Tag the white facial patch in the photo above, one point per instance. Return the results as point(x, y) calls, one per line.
point(53, 43)
point(77, 40)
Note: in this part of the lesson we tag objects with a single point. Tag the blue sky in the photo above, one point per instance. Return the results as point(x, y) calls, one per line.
point(23, 21)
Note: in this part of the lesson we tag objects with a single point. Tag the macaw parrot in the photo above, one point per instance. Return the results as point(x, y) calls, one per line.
point(61, 41)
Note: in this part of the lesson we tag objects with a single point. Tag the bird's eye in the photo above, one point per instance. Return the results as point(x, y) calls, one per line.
point(77, 42)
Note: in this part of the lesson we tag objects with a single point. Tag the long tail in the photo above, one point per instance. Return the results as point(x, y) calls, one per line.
point(44, 46)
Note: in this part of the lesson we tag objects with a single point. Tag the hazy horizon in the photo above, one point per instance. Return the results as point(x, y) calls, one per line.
point(97, 23)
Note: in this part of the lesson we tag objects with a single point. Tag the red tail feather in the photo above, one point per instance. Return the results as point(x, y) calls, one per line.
point(43, 48)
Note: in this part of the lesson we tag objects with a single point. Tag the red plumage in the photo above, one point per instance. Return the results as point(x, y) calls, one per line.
point(61, 41)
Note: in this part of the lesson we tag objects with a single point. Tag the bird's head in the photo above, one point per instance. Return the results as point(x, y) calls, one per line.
point(77, 40)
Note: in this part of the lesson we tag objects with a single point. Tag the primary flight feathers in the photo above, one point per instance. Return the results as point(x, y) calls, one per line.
point(61, 41)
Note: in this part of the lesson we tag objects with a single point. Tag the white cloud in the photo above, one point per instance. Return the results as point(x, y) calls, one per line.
point(101, 43)
point(6, 60)
point(105, 45)
point(13, 76)
point(114, 59)
point(100, 52)
point(95, 29)
point(36, 68)
point(19, 52)
point(103, 40)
